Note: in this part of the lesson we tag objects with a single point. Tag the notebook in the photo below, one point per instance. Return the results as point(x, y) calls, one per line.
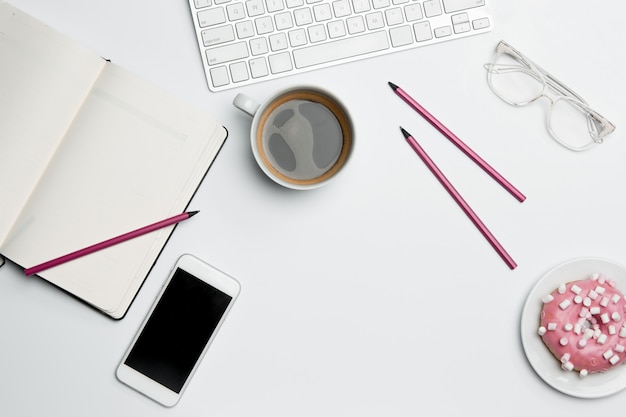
point(89, 151)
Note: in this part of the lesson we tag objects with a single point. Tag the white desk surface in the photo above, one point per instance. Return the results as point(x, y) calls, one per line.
point(374, 295)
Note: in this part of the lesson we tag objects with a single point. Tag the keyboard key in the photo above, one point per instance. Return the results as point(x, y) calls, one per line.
point(481, 23)
point(432, 8)
point(255, 8)
point(218, 35)
point(401, 36)
point(380, 4)
point(460, 18)
point(361, 6)
point(258, 67)
point(264, 25)
point(297, 37)
point(280, 62)
point(375, 21)
point(336, 29)
point(341, 8)
point(413, 12)
point(422, 31)
point(343, 48)
point(245, 29)
point(278, 41)
point(239, 72)
point(394, 16)
point(235, 11)
point(284, 21)
point(443, 31)
point(322, 12)
point(462, 27)
point(219, 76)
point(202, 3)
point(355, 24)
point(211, 17)
point(317, 33)
point(303, 16)
point(258, 46)
point(231, 52)
point(275, 5)
point(452, 6)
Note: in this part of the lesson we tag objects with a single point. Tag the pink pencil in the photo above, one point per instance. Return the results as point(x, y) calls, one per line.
point(110, 242)
point(458, 142)
point(460, 201)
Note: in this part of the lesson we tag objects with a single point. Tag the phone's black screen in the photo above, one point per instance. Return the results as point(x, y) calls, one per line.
point(178, 330)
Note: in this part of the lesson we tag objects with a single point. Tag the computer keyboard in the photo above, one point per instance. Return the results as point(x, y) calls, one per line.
point(244, 42)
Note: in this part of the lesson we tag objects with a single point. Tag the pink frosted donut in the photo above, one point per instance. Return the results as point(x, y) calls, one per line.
point(583, 323)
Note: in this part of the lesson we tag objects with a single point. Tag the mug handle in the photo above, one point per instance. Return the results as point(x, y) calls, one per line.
point(245, 104)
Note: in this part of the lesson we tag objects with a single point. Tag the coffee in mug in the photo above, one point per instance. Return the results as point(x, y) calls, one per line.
point(301, 137)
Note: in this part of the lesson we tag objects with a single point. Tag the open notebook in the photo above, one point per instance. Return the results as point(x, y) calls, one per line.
point(88, 151)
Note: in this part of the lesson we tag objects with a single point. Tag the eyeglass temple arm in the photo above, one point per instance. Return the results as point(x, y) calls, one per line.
point(552, 81)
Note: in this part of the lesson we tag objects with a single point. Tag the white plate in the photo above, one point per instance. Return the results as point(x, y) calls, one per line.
point(543, 362)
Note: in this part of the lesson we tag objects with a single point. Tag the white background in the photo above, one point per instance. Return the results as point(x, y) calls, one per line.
point(374, 295)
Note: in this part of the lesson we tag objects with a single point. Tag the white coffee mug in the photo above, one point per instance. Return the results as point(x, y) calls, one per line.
point(301, 137)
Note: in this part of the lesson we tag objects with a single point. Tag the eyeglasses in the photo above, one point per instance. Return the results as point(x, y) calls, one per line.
point(518, 81)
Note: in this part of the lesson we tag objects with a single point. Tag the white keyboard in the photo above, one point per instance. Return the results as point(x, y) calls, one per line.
point(244, 42)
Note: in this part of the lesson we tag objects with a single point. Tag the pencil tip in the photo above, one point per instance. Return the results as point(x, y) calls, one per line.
point(192, 213)
point(392, 85)
point(405, 133)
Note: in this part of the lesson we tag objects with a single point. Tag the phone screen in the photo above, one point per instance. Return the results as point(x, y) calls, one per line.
point(177, 331)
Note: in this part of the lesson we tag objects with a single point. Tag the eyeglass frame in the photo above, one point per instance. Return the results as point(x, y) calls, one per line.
point(594, 119)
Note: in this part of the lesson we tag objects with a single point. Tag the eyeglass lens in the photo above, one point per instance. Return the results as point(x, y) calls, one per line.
point(514, 81)
point(572, 124)
point(518, 83)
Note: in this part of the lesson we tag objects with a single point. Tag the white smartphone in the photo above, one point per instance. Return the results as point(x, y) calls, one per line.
point(178, 330)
